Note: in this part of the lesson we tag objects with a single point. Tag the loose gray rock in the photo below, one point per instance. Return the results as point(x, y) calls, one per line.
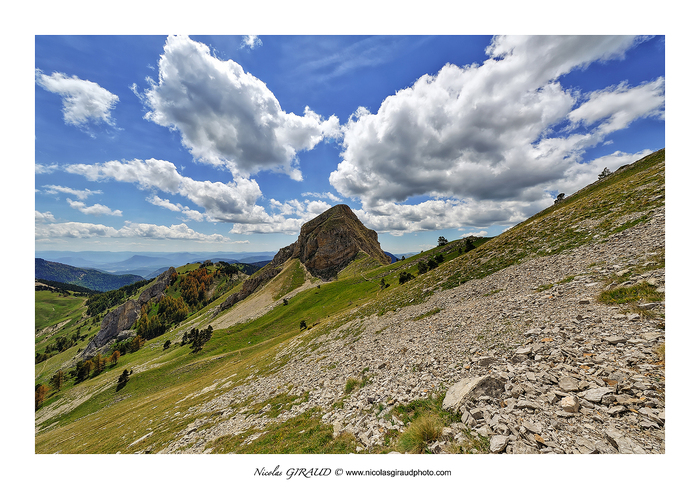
point(614, 340)
point(498, 443)
point(570, 404)
point(568, 384)
point(522, 448)
point(488, 385)
point(622, 442)
point(595, 395)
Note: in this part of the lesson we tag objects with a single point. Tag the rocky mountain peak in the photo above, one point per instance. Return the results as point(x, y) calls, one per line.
point(330, 241)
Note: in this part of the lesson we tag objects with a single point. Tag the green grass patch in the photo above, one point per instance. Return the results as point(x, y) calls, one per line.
point(429, 313)
point(642, 292)
point(351, 384)
point(422, 432)
point(304, 434)
point(290, 279)
point(50, 308)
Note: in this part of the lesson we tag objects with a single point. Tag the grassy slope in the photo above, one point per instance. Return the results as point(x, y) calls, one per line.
point(153, 395)
point(51, 308)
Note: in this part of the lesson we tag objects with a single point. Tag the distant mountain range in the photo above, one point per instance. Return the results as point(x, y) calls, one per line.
point(84, 277)
point(147, 264)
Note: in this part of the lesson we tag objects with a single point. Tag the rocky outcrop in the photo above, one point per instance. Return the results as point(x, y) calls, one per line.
point(123, 317)
point(326, 245)
point(329, 242)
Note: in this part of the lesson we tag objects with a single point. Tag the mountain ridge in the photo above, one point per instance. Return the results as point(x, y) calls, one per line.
point(84, 277)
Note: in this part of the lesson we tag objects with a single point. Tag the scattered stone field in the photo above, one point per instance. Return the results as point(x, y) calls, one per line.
point(529, 357)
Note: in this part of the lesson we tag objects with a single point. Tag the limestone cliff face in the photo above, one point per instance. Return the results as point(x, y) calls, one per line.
point(326, 245)
point(123, 317)
point(329, 242)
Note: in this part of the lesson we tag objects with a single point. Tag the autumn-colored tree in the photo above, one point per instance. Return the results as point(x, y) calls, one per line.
point(195, 284)
point(136, 343)
point(98, 364)
point(58, 380)
point(39, 395)
point(172, 310)
point(114, 358)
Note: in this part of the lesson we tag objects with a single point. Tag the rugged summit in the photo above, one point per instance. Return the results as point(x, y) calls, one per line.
point(326, 245)
point(329, 242)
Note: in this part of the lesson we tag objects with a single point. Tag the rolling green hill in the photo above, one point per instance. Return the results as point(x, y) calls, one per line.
point(176, 390)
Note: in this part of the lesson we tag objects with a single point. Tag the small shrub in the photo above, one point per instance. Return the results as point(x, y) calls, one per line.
point(351, 384)
point(422, 432)
point(405, 277)
point(123, 379)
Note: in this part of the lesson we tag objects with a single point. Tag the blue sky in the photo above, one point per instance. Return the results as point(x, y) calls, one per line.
point(156, 143)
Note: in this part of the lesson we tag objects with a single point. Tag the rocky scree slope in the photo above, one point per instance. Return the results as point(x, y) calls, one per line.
point(529, 356)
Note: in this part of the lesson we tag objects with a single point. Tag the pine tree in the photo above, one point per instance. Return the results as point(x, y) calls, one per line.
point(98, 364)
point(58, 380)
point(123, 379)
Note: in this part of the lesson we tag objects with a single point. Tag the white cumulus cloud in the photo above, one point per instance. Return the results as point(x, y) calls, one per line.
point(251, 42)
point(480, 140)
point(45, 169)
point(43, 216)
point(79, 194)
point(84, 230)
point(186, 211)
point(227, 202)
point(279, 222)
point(619, 106)
point(226, 116)
point(93, 210)
point(324, 195)
point(84, 101)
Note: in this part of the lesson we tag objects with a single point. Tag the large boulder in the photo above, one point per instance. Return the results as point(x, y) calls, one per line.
point(486, 385)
